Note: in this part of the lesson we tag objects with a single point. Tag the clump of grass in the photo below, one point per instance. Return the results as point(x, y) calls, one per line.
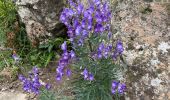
point(7, 19)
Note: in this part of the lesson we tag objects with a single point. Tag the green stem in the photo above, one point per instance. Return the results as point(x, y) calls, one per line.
point(90, 46)
point(45, 94)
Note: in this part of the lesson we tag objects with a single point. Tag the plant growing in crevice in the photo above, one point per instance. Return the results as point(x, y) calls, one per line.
point(92, 59)
point(94, 55)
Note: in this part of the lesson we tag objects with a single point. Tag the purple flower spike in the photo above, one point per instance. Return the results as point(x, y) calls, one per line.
point(64, 46)
point(85, 73)
point(32, 83)
point(91, 77)
point(119, 47)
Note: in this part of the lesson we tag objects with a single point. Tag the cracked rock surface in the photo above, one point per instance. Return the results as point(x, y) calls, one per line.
point(41, 18)
point(144, 29)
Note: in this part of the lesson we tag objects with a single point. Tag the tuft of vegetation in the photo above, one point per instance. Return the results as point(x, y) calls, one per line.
point(7, 19)
point(146, 10)
point(13, 36)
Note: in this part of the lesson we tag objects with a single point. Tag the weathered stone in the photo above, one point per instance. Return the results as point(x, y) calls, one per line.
point(147, 48)
point(12, 96)
point(41, 17)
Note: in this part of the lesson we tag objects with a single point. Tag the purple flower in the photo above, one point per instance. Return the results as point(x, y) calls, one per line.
point(63, 17)
point(101, 47)
point(58, 77)
point(35, 70)
point(85, 33)
point(118, 87)
point(78, 30)
point(91, 77)
point(64, 46)
point(119, 47)
point(22, 78)
point(113, 91)
point(115, 84)
point(72, 3)
point(32, 83)
point(68, 72)
point(119, 50)
point(97, 2)
point(83, 23)
point(60, 70)
point(121, 88)
point(72, 54)
point(70, 12)
point(65, 56)
point(98, 28)
point(99, 54)
point(15, 57)
point(109, 35)
point(98, 19)
point(85, 73)
point(80, 42)
point(89, 25)
point(80, 8)
point(75, 22)
point(47, 86)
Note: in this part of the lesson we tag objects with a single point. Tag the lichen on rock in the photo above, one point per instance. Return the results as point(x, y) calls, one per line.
point(144, 30)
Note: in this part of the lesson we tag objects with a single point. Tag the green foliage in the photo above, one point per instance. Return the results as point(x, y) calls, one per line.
point(104, 71)
point(44, 54)
point(59, 95)
point(5, 59)
point(64, 92)
point(7, 18)
point(46, 95)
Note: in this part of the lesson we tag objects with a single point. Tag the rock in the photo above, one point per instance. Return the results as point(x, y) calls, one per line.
point(12, 96)
point(146, 37)
point(41, 18)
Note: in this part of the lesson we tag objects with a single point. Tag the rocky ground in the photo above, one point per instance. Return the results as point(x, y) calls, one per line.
point(144, 27)
point(145, 30)
point(11, 88)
